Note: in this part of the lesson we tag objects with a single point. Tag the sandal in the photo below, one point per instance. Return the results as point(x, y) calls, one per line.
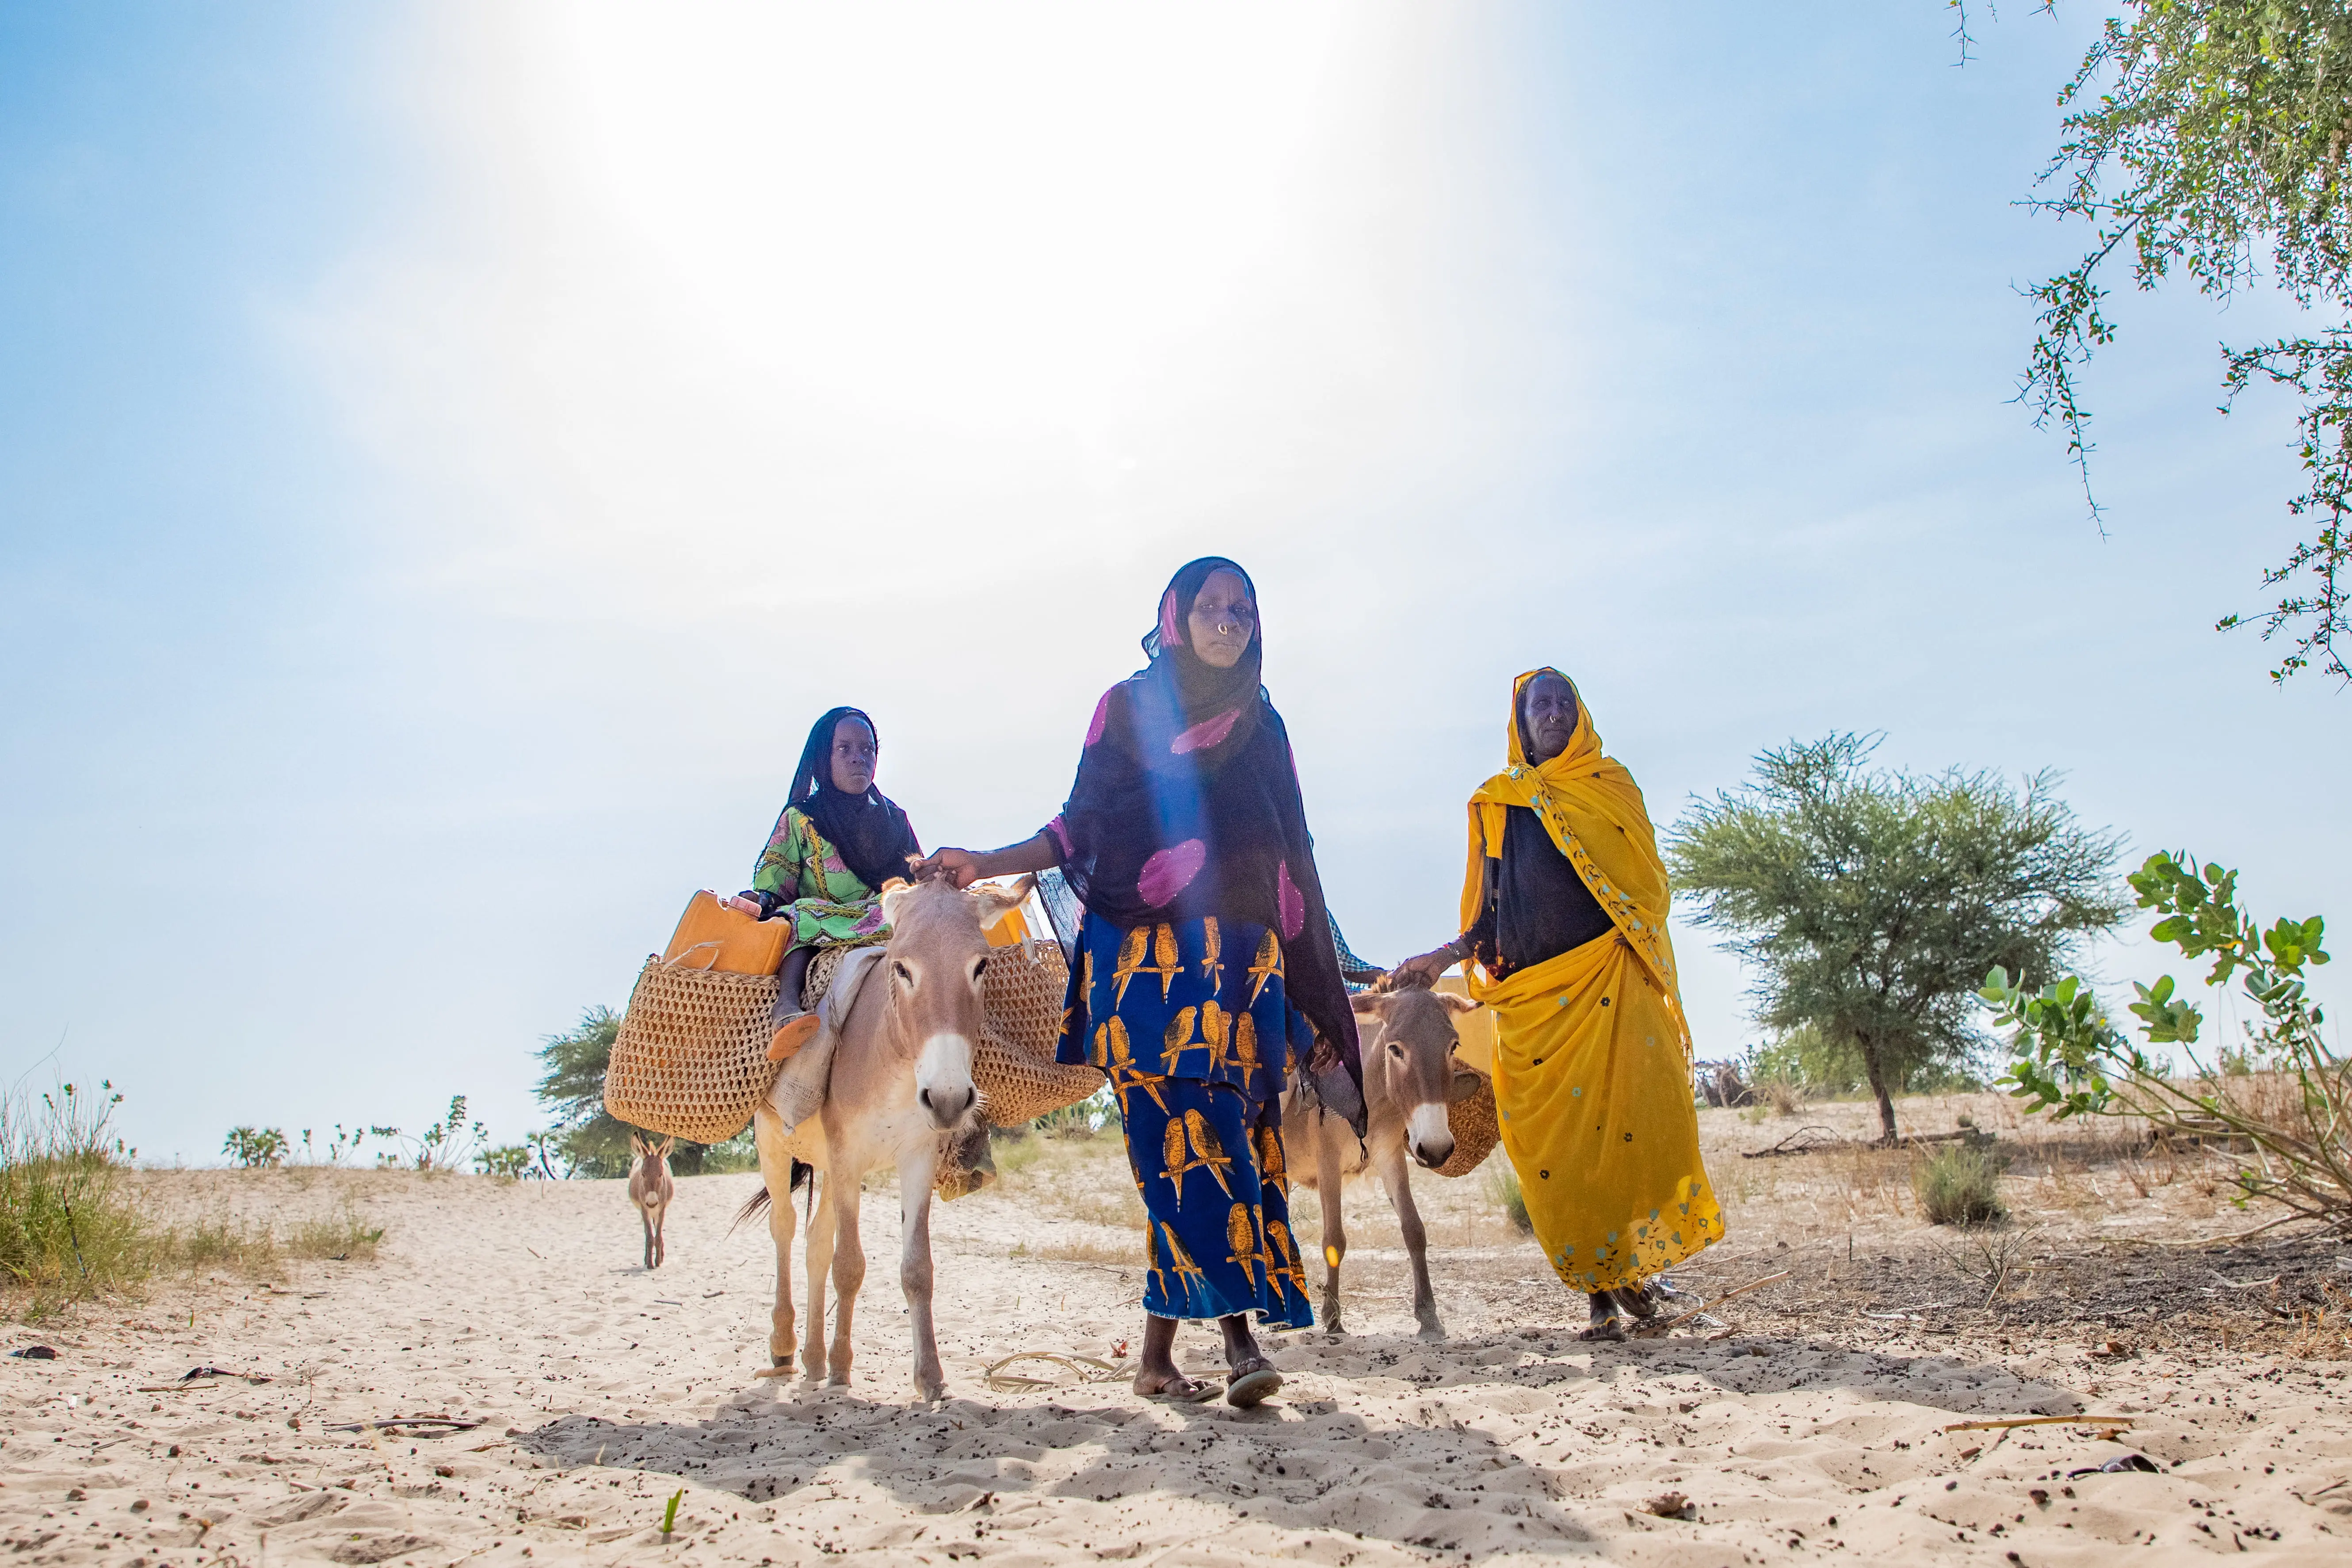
point(790, 1035)
point(1248, 1389)
point(1184, 1391)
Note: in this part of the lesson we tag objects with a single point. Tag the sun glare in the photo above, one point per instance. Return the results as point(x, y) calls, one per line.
point(979, 215)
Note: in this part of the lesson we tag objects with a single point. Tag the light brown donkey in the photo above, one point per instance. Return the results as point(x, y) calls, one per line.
point(650, 1191)
point(1411, 1075)
point(901, 1086)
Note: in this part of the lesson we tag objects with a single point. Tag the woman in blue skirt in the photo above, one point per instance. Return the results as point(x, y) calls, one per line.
point(1206, 969)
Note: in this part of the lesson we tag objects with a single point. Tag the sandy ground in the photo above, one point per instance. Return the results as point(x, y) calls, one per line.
point(1806, 1427)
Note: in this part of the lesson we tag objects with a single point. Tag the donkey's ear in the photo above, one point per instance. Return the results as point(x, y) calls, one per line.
point(994, 901)
point(894, 894)
point(1458, 1004)
point(1372, 1004)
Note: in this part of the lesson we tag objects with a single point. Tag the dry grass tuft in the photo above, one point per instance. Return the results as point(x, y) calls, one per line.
point(71, 1227)
point(1503, 1187)
point(1125, 1253)
point(1960, 1185)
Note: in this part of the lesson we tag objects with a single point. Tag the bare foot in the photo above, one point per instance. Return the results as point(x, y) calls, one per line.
point(1173, 1385)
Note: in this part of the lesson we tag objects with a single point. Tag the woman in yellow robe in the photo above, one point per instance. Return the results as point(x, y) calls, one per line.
point(1564, 916)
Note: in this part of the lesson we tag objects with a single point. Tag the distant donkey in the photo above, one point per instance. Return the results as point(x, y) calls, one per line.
point(650, 1191)
point(1411, 1075)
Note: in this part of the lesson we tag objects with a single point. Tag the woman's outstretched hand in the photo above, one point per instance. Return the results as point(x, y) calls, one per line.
point(961, 867)
point(1421, 970)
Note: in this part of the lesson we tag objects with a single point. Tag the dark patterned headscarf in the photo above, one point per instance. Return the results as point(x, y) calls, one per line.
point(868, 831)
point(1187, 804)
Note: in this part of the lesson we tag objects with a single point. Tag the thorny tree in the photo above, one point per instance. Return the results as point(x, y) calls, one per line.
point(1870, 903)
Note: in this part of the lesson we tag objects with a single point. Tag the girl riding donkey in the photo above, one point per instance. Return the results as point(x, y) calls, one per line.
point(838, 841)
point(1205, 962)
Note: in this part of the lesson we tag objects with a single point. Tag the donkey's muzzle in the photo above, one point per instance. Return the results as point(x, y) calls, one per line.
point(946, 1106)
point(1428, 1135)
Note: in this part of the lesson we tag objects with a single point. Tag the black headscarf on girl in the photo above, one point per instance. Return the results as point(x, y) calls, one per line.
point(1187, 804)
point(870, 834)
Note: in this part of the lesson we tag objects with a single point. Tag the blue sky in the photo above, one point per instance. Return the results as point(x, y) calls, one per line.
point(447, 454)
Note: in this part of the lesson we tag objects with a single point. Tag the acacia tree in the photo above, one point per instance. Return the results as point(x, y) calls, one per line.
point(2211, 136)
point(1870, 904)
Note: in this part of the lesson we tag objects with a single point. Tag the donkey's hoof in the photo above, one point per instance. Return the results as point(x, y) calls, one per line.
point(1430, 1330)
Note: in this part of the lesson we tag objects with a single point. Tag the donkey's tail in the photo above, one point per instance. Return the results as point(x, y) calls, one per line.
point(759, 1201)
point(801, 1172)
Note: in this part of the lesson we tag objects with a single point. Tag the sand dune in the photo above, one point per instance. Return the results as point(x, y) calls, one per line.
point(602, 1389)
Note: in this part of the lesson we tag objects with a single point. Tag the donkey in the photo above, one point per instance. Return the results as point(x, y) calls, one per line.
point(1410, 1078)
point(900, 1089)
point(650, 1190)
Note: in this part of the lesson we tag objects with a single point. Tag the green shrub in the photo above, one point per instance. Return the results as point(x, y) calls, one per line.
point(70, 1226)
point(1958, 1184)
point(511, 1161)
point(1503, 1186)
point(255, 1147)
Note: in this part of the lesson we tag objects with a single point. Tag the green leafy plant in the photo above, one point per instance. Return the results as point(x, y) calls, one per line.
point(669, 1513)
point(2071, 1060)
point(255, 1148)
point(510, 1160)
point(340, 1149)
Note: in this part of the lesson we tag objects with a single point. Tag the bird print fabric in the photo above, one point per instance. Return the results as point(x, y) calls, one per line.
point(1188, 1021)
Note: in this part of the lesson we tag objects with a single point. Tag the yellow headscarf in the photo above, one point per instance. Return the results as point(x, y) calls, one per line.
point(1591, 808)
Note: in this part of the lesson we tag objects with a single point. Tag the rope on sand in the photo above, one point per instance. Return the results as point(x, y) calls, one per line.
point(1661, 1326)
point(1089, 1370)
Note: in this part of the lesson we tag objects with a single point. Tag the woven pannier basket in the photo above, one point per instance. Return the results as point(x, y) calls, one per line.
point(1475, 1128)
point(691, 1057)
point(1012, 1065)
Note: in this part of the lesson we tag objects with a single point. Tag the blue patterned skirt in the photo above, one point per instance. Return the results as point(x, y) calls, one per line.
point(1188, 1022)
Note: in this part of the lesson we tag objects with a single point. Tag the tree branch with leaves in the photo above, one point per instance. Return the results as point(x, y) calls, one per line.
point(2209, 137)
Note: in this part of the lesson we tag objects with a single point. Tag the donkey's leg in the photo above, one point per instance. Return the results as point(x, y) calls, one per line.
point(661, 1254)
point(1328, 1183)
point(848, 1270)
point(776, 1175)
point(818, 1263)
point(646, 1218)
point(915, 1175)
point(1395, 1177)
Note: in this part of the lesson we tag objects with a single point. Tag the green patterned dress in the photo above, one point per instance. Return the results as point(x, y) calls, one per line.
point(805, 882)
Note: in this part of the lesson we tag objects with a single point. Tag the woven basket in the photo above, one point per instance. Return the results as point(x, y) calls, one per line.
point(691, 1057)
point(1013, 1064)
point(1475, 1130)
